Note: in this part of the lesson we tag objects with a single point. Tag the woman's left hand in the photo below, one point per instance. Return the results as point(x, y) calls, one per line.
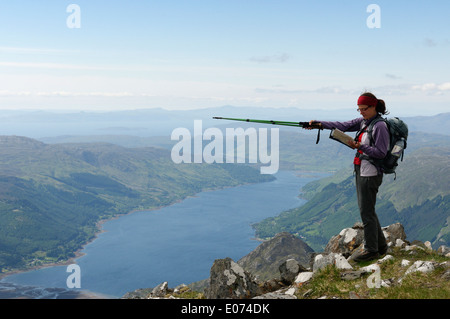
point(354, 144)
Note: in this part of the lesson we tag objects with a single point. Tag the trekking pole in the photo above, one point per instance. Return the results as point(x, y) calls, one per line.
point(284, 123)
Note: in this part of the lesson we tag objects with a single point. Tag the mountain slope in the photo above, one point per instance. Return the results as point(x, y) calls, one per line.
point(419, 198)
point(52, 196)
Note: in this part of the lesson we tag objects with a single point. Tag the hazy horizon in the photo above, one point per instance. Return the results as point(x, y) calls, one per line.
point(351, 111)
point(178, 54)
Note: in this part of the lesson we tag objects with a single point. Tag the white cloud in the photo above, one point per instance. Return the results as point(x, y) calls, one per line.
point(21, 50)
point(392, 76)
point(444, 86)
point(276, 58)
point(6, 93)
point(425, 87)
point(432, 87)
point(59, 66)
point(84, 94)
point(428, 42)
point(320, 90)
point(400, 89)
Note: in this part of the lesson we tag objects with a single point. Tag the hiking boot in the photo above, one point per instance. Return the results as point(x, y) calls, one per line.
point(382, 251)
point(366, 256)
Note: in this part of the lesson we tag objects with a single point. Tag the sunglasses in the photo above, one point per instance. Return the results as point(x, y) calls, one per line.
point(363, 109)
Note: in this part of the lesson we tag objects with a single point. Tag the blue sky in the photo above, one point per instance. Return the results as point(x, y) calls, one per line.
point(185, 54)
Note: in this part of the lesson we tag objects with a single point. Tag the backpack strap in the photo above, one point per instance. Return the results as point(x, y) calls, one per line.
point(370, 128)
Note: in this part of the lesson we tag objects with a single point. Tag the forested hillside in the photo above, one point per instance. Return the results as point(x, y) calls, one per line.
point(53, 196)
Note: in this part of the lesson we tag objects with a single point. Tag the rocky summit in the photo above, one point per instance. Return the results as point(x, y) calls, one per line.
point(265, 259)
point(285, 267)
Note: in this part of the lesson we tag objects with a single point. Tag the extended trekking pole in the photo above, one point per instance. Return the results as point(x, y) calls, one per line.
point(284, 123)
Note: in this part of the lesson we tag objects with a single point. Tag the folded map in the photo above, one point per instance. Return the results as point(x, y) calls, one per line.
point(341, 137)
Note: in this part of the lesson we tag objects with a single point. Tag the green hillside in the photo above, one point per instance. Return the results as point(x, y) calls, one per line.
point(298, 150)
point(53, 196)
point(419, 198)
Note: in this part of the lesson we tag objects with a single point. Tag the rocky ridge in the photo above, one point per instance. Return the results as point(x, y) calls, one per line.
point(330, 274)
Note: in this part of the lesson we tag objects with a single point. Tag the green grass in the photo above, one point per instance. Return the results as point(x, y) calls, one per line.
point(327, 282)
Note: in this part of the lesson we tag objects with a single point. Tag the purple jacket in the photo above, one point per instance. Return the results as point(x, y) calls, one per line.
point(380, 135)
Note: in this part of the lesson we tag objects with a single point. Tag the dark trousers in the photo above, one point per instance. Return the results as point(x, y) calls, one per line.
point(366, 190)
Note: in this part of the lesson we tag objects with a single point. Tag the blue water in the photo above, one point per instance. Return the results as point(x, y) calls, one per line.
point(178, 243)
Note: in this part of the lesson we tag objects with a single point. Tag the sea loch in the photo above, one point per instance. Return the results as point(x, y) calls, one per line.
point(178, 243)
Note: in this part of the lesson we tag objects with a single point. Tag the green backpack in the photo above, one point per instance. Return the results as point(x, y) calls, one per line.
point(398, 132)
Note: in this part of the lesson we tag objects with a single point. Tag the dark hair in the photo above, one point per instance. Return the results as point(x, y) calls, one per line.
point(381, 106)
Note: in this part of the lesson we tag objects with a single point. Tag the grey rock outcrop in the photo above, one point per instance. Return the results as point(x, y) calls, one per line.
point(289, 270)
point(264, 261)
point(338, 260)
point(229, 280)
point(346, 241)
point(394, 232)
point(161, 290)
point(350, 241)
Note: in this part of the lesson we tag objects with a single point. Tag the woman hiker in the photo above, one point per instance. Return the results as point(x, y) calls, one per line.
point(368, 176)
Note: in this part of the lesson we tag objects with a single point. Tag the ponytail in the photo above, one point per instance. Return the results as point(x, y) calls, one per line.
point(381, 105)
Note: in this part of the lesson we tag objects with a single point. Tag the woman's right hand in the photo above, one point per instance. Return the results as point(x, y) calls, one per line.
point(314, 124)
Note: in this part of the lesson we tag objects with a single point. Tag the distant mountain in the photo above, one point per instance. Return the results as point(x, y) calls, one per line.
point(53, 196)
point(419, 199)
point(141, 122)
point(298, 148)
point(430, 124)
point(160, 122)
